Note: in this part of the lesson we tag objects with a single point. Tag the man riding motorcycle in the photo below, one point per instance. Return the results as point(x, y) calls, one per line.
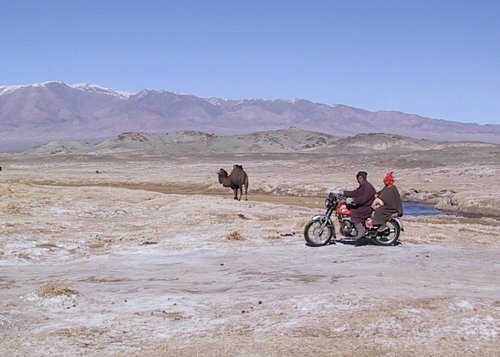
point(360, 201)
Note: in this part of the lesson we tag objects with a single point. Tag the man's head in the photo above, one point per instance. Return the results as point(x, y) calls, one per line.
point(361, 177)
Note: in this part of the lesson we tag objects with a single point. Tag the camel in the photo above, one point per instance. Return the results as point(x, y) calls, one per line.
point(236, 180)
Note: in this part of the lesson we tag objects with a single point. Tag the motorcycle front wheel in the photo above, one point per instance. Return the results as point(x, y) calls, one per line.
point(318, 232)
point(390, 236)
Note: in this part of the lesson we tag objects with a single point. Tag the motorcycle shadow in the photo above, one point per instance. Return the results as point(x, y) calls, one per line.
point(359, 242)
point(355, 242)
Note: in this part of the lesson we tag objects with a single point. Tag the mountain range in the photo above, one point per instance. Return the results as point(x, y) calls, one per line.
point(39, 113)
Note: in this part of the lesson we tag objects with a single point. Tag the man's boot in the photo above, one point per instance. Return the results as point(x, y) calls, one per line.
point(360, 228)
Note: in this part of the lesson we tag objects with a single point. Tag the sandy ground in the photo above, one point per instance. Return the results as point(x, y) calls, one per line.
point(150, 256)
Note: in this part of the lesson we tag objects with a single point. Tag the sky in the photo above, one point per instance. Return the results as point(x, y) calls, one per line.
point(436, 58)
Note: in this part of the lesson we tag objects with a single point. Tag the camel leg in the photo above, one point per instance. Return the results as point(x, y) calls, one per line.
point(246, 192)
point(235, 193)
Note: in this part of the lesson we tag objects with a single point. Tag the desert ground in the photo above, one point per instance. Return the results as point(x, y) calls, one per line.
point(143, 254)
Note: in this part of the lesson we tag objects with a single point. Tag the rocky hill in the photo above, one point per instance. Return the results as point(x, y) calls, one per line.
point(291, 140)
point(194, 142)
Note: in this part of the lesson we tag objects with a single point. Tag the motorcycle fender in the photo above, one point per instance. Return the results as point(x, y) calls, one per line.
point(322, 216)
point(400, 223)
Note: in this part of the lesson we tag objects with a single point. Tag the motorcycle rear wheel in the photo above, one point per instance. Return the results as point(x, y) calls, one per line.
point(317, 234)
point(390, 236)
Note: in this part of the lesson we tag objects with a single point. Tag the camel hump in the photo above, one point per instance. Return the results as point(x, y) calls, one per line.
point(238, 171)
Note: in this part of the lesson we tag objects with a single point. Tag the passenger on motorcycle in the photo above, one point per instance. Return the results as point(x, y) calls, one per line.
point(391, 203)
point(361, 200)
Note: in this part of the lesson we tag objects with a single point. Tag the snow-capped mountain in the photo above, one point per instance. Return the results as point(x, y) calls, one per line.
point(39, 113)
point(93, 88)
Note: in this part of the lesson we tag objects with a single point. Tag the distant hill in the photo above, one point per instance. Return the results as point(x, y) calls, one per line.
point(40, 113)
point(189, 142)
point(291, 140)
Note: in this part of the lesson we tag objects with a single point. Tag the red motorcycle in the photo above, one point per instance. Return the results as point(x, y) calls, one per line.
point(321, 229)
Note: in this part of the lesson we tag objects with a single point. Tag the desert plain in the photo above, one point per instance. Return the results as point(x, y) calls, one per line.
point(143, 253)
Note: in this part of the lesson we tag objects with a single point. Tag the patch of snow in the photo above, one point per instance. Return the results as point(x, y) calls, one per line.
point(4, 320)
point(481, 327)
point(53, 301)
point(13, 88)
point(85, 87)
point(58, 210)
point(93, 88)
point(145, 92)
point(384, 327)
point(464, 305)
point(28, 250)
point(10, 89)
point(217, 101)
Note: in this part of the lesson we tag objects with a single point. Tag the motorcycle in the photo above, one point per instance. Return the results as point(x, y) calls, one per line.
point(320, 229)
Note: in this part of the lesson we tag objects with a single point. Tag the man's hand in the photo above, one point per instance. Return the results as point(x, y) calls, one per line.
point(377, 202)
point(349, 200)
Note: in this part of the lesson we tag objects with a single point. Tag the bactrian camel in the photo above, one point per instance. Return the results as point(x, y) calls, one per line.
point(236, 180)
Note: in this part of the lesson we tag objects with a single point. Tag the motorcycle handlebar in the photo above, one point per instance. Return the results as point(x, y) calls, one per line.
point(338, 195)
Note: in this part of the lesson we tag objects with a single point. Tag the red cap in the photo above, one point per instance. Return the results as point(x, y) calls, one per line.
point(389, 178)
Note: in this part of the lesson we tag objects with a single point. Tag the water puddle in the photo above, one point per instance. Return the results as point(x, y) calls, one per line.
point(424, 209)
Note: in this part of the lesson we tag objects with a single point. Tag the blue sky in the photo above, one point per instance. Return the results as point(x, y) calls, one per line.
point(439, 59)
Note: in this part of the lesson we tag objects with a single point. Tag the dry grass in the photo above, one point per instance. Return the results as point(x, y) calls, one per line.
point(54, 288)
point(49, 246)
point(273, 237)
point(235, 235)
point(11, 208)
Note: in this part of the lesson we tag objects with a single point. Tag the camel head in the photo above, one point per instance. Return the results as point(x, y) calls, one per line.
point(222, 174)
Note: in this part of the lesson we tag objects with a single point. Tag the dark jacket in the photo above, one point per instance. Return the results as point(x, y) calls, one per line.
point(363, 198)
point(392, 205)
